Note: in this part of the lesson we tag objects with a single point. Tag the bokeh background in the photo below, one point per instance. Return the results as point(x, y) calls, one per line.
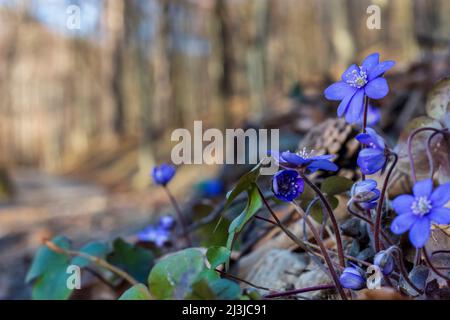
point(86, 112)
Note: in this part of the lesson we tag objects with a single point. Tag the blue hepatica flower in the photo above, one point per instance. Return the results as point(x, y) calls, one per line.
point(163, 174)
point(365, 193)
point(305, 159)
point(372, 158)
point(166, 222)
point(416, 212)
point(385, 262)
point(287, 185)
point(211, 188)
point(353, 278)
point(159, 236)
point(358, 82)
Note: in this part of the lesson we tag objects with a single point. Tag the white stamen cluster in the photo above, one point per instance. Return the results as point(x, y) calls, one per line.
point(421, 206)
point(304, 153)
point(359, 78)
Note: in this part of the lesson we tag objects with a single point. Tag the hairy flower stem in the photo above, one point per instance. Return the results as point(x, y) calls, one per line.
point(180, 216)
point(409, 145)
point(429, 154)
point(364, 124)
point(332, 217)
point(404, 272)
point(432, 267)
point(230, 276)
point(325, 254)
point(98, 261)
point(278, 222)
point(298, 291)
point(377, 227)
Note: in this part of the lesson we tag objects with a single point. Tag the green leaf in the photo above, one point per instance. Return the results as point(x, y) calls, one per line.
point(133, 259)
point(225, 289)
point(220, 289)
point(201, 290)
point(52, 285)
point(316, 211)
point(45, 258)
point(217, 256)
point(96, 249)
point(336, 185)
point(254, 203)
point(49, 270)
point(173, 276)
point(136, 292)
point(244, 184)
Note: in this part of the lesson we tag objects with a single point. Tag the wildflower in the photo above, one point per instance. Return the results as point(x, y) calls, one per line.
point(163, 174)
point(287, 185)
point(211, 188)
point(353, 278)
point(372, 158)
point(159, 236)
point(305, 159)
point(166, 222)
point(358, 82)
point(365, 193)
point(416, 212)
point(384, 261)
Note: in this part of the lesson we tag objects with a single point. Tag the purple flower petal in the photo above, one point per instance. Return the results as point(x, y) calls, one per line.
point(380, 69)
point(377, 88)
point(377, 139)
point(323, 165)
point(441, 195)
point(403, 222)
point(371, 160)
point(364, 138)
point(348, 74)
point(420, 232)
point(338, 91)
point(355, 108)
point(293, 158)
point(423, 188)
point(440, 215)
point(402, 204)
point(371, 61)
point(323, 157)
point(364, 186)
point(343, 106)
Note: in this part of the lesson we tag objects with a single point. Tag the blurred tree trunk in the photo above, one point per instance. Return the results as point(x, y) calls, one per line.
point(256, 58)
point(226, 88)
point(161, 65)
point(112, 64)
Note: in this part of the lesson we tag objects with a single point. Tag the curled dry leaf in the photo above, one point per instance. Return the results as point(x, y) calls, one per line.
point(380, 294)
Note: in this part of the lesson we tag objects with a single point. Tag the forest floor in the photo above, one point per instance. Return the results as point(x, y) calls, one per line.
point(45, 205)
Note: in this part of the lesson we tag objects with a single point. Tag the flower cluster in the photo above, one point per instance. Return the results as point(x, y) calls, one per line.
point(159, 234)
point(287, 183)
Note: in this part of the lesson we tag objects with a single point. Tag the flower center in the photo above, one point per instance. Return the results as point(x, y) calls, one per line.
point(288, 186)
point(358, 78)
point(421, 206)
point(304, 153)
